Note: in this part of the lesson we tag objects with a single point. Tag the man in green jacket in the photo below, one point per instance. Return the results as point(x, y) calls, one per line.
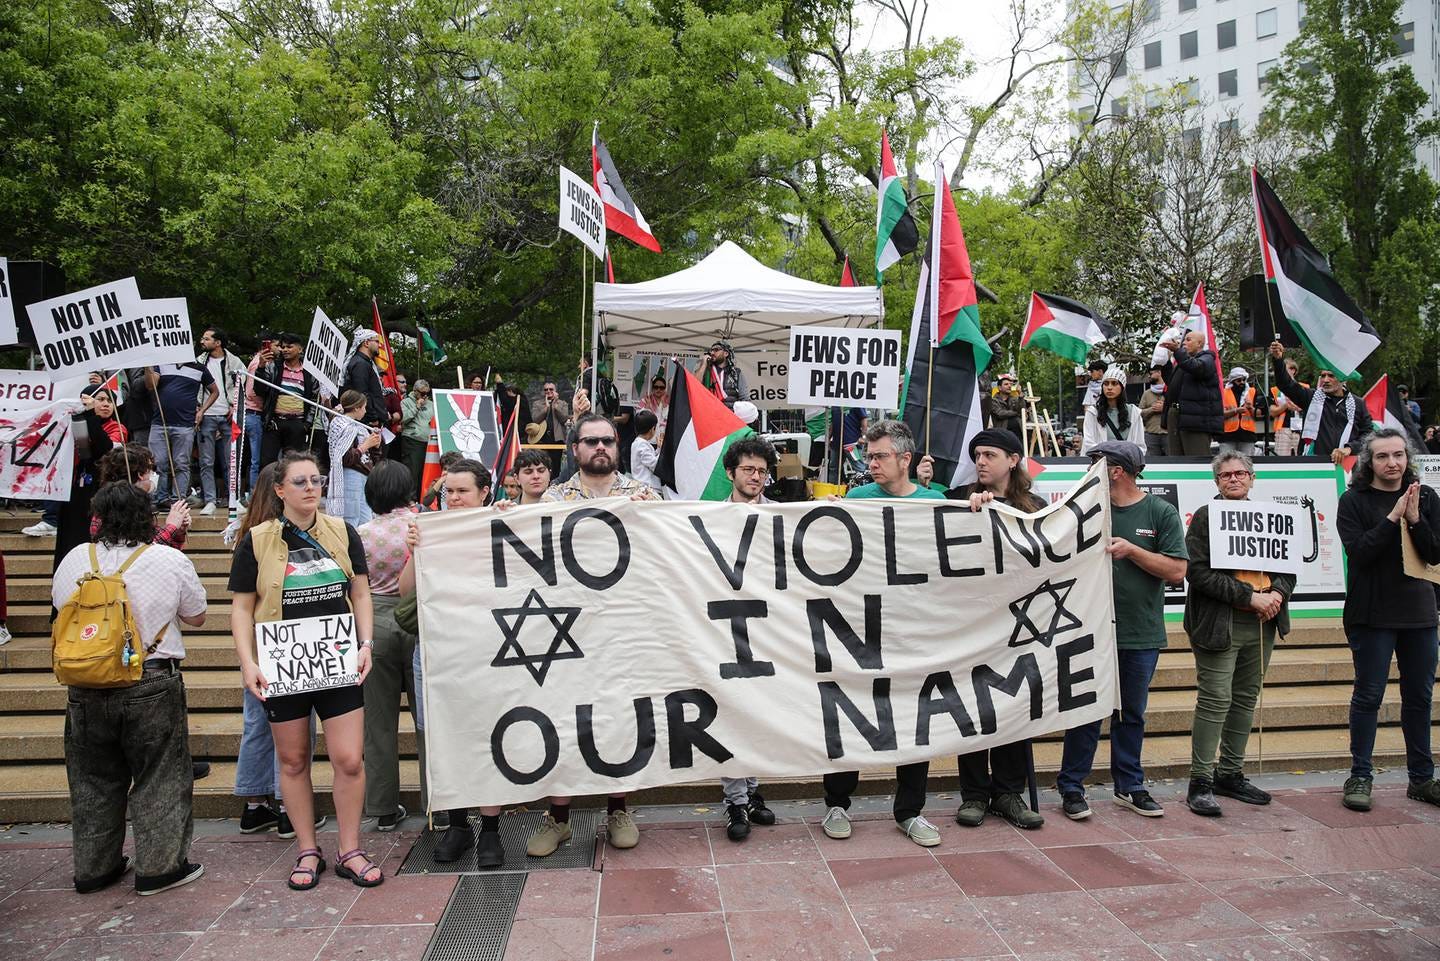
point(1232, 618)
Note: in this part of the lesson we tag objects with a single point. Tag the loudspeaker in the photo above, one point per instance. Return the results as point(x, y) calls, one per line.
point(32, 281)
point(1262, 317)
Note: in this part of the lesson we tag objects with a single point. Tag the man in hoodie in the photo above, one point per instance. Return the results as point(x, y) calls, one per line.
point(214, 430)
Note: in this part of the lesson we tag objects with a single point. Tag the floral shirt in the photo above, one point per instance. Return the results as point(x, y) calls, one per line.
point(574, 490)
point(385, 550)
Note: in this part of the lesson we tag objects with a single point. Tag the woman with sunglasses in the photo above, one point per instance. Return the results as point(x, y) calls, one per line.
point(308, 564)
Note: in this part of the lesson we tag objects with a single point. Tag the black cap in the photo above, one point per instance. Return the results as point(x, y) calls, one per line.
point(1127, 456)
point(1402, 387)
point(993, 437)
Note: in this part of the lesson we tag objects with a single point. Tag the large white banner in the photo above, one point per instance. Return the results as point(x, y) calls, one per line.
point(1312, 485)
point(9, 331)
point(325, 353)
point(615, 645)
point(108, 327)
point(37, 452)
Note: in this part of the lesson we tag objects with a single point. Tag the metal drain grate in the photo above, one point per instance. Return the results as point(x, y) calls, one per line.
point(515, 831)
point(476, 923)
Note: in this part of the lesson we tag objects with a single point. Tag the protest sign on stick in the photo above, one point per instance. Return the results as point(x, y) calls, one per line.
point(1257, 536)
point(844, 367)
point(28, 389)
point(614, 645)
point(37, 452)
point(325, 353)
point(9, 331)
point(581, 212)
point(466, 422)
point(307, 654)
point(107, 327)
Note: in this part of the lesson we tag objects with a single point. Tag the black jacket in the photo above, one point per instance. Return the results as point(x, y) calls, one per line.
point(1212, 596)
point(360, 375)
point(268, 395)
point(1193, 382)
point(1377, 591)
point(1332, 420)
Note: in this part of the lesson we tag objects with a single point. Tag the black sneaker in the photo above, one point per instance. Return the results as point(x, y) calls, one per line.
point(1200, 798)
point(199, 770)
point(489, 852)
point(971, 814)
point(739, 827)
point(1427, 791)
point(1013, 809)
point(258, 819)
point(1140, 802)
point(1074, 805)
point(92, 885)
point(391, 821)
point(286, 830)
point(759, 813)
point(1238, 787)
point(164, 882)
point(457, 839)
point(1357, 793)
point(440, 820)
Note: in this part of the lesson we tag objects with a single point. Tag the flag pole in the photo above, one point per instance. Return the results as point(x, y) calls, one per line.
point(929, 383)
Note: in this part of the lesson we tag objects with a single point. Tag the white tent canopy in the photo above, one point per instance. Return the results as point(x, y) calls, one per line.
point(727, 296)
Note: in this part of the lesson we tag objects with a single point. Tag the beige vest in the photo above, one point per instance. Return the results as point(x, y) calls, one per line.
point(271, 556)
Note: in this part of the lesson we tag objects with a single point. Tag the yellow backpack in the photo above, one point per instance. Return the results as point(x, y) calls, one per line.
point(93, 639)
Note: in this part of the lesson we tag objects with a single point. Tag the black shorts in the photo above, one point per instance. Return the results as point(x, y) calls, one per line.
point(331, 702)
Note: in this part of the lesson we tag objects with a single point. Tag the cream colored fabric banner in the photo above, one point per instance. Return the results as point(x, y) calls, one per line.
point(612, 645)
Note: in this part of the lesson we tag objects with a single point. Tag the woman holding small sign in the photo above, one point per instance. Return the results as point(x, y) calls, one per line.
point(303, 567)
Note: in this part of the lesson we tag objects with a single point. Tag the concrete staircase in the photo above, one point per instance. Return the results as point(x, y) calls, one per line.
point(1303, 713)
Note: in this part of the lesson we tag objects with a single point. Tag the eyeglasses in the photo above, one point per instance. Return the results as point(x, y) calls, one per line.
point(879, 455)
point(751, 471)
point(594, 442)
point(316, 480)
point(1232, 474)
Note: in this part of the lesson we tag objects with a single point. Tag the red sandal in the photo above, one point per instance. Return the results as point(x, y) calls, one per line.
point(358, 878)
point(314, 872)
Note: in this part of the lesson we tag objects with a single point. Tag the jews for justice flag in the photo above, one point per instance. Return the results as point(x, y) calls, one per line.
point(1064, 326)
point(697, 433)
point(941, 398)
point(1388, 410)
point(622, 216)
point(895, 233)
point(1331, 325)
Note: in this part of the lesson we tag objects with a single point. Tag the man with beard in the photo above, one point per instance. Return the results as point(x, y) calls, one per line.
point(1335, 421)
point(595, 449)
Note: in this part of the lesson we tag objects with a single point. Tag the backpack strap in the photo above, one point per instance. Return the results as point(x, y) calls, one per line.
point(128, 561)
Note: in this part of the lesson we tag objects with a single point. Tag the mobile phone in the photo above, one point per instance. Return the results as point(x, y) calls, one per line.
point(266, 345)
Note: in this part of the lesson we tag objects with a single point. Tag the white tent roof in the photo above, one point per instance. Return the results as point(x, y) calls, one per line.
point(727, 296)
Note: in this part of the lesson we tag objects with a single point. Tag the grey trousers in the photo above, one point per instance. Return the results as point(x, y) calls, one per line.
point(390, 674)
point(739, 790)
point(128, 748)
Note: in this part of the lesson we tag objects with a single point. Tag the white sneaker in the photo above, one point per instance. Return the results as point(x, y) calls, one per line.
point(4, 635)
point(836, 824)
point(39, 529)
point(208, 509)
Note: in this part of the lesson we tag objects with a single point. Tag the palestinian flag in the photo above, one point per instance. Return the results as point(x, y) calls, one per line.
point(308, 569)
point(431, 342)
point(385, 360)
point(1329, 324)
point(115, 384)
point(1064, 326)
point(847, 276)
point(941, 399)
point(895, 233)
point(1388, 410)
point(697, 433)
point(509, 447)
point(1198, 318)
point(621, 214)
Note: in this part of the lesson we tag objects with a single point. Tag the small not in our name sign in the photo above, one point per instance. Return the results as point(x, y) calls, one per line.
point(308, 654)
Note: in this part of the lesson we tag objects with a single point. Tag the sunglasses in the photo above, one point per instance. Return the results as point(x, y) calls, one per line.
point(594, 442)
point(300, 483)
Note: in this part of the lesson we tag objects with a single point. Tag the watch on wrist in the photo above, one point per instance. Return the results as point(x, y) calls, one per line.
point(367, 644)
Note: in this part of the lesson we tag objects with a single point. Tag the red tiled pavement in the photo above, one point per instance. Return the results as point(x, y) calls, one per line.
point(1299, 880)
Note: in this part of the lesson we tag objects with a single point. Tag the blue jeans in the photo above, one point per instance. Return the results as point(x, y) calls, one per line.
point(1127, 730)
point(254, 431)
point(357, 512)
point(214, 444)
point(1414, 651)
point(180, 440)
point(257, 769)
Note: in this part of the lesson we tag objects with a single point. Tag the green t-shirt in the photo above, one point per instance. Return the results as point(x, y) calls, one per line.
point(1153, 524)
point(875, 490)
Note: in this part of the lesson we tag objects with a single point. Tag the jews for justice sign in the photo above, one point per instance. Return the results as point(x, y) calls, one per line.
point(619, 645)
point(844, 367)
point(581, 212)
point(308, 654)
point(1257, 536)
point(107, 327)
point(325, 353)
point(37, 452)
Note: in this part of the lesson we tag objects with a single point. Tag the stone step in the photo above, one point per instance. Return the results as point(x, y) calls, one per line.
point(14, 521)
point(36, 590)
point(41, 565)
point(32, 619)
point(198, 541)
point(40, 792)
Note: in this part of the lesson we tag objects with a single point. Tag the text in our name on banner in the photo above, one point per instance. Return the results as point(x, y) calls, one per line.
point(109, 326)
point(632, 645)
point(582, 213)
point(325, 353)
point(842, 366)
point(307, 654)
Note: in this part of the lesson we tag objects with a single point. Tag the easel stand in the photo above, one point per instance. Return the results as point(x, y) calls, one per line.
point(1037, 430)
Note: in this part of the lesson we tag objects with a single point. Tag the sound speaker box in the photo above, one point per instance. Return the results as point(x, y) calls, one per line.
point(1262, 317)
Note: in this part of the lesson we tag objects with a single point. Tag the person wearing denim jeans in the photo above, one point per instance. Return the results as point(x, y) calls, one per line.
point(1388, 613)
point(179, 388)
point(213, 439)
point(214, 428)
point(1147, 545)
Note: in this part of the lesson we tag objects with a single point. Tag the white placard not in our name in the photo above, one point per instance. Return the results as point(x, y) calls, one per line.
point(325, 353)
point(109, 326)
point(308, 654)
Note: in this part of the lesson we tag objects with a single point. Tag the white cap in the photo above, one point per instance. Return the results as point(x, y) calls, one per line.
point(1237, 373)
point(1116, 373)
point(747, 411)
point(1177, 318)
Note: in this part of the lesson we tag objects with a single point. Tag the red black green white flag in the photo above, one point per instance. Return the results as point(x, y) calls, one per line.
point(1332, 327)
point(1388, 410)
point(1198, 318)
point(895, 232)
point(697, 432)
point(622, 216)
point(1064, 326)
